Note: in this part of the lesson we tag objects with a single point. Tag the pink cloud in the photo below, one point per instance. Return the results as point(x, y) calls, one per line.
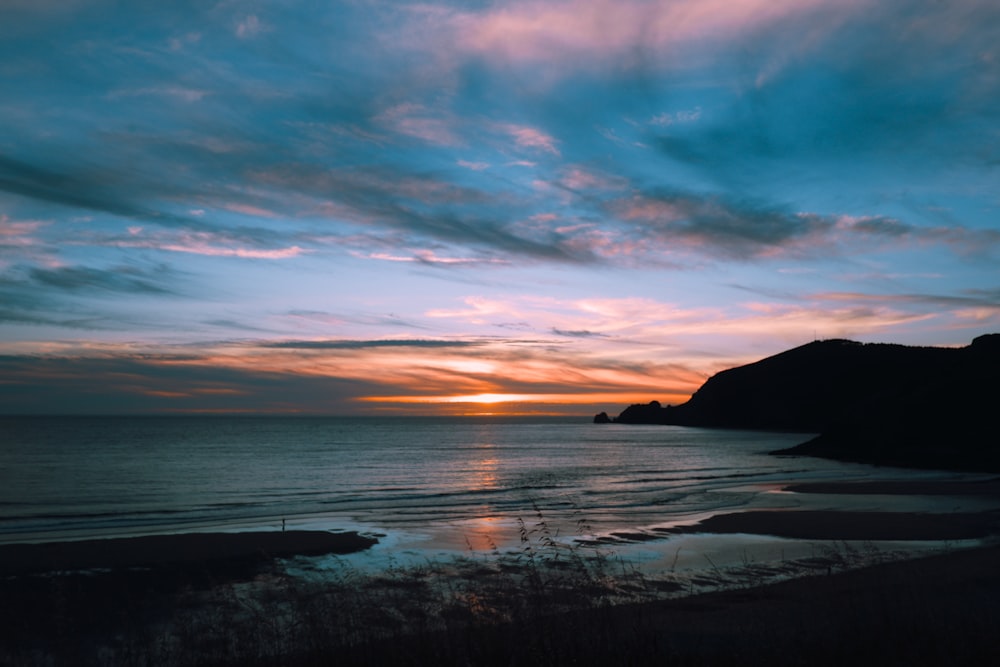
point(20, 234)
point(203, 243)
point(588, 31)
point(415, 120)
point(474, 166)
point(430, 257)
point(530, 137)
point(678, 117)
point(643, 328)
point(247, 209)
point(578, 178)
point(19, 240)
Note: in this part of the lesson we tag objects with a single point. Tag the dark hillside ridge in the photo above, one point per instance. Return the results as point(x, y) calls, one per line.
point(879, 403)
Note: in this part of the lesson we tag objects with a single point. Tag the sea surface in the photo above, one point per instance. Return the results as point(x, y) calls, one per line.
point(443, 483)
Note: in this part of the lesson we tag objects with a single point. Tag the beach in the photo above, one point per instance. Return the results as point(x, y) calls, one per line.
point(180, 550)
point(221, 597)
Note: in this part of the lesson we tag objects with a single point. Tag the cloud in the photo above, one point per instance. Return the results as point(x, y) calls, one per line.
point(118, 279)
point(590, 33)
point(665, 118)
point(530, 137)
point(431, 258)
point(87, 189)
point(323, 381)
point(423, 206)
point(50, 296)
point(890, 231)
point(414, 120)
point(735, 227)
point(912, 78)
point(249, 27)
point(366, 344)
point(123, 382)
point(588, 180)
point(175, 92)
point(969, 298)
point(212, 244)
point(21, 240)
point(582, 333)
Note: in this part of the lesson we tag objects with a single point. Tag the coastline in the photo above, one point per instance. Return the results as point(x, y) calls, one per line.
point(182, 549)
point(842, 525)
point(228, 597)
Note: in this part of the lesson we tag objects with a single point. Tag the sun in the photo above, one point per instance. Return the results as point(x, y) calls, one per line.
point(490, 399)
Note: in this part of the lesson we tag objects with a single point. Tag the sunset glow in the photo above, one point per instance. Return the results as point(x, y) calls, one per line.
point(533, 207)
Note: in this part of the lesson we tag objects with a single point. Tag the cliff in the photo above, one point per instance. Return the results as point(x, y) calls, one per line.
point(878, 403)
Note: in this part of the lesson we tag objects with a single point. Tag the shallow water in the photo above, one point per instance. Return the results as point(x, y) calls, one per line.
point(447, 482)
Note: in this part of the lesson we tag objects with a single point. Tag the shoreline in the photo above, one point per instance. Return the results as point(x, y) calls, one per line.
point(808, 522)
point(195, 592)
point(834, 525)
point(173, 550)
point(898, 610)
point(979, 487)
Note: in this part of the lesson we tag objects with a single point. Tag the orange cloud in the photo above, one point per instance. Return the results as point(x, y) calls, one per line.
point(572, 356)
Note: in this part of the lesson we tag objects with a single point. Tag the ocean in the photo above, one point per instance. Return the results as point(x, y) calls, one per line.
point(420, 484)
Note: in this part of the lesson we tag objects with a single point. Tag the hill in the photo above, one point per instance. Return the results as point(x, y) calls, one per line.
point(878, 403)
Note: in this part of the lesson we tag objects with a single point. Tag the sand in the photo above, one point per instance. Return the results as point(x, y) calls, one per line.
point(175, 550)
point(838, 525)
point(986, 487)
point(941, 609)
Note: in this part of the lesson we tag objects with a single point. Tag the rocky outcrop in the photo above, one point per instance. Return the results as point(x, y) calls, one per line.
point(880, 403)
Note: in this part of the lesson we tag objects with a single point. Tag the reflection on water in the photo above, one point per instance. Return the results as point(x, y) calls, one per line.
point(485, 473)
point(475, 478)
point(483, 533)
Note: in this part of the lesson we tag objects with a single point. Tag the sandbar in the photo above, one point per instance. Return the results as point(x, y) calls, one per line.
point(845, 525)
point(175, 550)
point(986, 487)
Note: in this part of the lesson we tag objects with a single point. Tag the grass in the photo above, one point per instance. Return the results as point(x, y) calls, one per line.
point(545, 602)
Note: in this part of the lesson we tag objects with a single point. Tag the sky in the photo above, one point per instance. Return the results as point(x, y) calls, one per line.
point(538, 206)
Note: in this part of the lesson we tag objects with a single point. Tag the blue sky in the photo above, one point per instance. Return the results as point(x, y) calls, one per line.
point(401, 207)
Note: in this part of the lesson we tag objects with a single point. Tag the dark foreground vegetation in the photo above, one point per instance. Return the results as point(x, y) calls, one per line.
point(923, 407)
point(544, 604)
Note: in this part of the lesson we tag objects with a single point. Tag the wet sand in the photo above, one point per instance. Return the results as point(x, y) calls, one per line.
point(931, 610)
point(175, 550)
point(987, 487)
point(836, 525)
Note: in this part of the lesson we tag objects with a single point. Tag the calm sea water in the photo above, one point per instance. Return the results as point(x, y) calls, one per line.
point(98, 476)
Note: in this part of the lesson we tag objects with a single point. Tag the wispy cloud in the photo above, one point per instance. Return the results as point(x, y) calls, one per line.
point(530, 137)
point(417, 121)
point(242, 243)
point(598, 194)
point(50, 296)
point(20, 238)
point(592, 32)
point(249, 27)
point(734, 227)
point(666, 118)
point(431, 258)
point(117, 279)
point(366, 344)
point(175, 92)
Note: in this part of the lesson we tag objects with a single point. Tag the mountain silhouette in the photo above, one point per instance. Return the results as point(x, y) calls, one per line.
point(880, 403)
